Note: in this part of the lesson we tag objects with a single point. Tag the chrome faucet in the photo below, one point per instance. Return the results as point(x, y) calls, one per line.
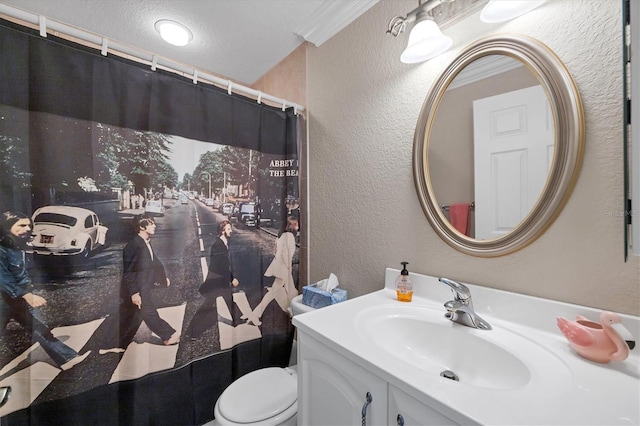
point(460, 309)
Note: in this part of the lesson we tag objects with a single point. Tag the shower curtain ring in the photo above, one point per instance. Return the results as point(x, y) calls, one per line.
point(229, 87)
point(42, 21)
point(105, 46)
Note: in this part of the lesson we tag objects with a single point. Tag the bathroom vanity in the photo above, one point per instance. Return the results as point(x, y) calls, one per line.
point(376, 361)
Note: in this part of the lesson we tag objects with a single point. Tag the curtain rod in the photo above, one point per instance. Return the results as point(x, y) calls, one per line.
point(142, 56)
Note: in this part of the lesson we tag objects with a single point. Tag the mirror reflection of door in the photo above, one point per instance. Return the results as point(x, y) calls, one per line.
point(451, 152)
point(513, 150)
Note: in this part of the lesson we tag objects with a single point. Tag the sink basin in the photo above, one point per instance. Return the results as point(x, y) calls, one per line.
point(422, 338)
point(505, 374)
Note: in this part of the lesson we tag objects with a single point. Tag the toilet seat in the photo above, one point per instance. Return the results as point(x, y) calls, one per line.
point(265, 396)
point(298, 307)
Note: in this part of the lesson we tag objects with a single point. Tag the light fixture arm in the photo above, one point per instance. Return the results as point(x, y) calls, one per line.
point(398, 24)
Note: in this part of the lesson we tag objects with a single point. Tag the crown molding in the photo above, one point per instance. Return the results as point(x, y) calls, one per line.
point(330, 18)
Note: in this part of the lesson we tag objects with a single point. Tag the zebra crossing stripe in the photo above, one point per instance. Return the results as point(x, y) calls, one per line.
point(140, 359)
point(28, 382)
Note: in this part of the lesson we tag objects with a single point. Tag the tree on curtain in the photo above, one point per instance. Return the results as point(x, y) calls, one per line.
point(142, 188)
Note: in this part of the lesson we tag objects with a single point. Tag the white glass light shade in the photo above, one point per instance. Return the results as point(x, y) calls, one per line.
point(426, 41)
point(504, 10)
point(173, 32)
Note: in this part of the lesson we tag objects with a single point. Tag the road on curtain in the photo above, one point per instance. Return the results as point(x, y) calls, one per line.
point(79, 298)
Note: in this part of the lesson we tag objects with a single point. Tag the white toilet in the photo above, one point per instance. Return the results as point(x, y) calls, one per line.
point(250, 400)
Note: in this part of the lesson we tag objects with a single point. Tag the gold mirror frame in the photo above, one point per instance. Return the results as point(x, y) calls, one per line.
point(568, 118)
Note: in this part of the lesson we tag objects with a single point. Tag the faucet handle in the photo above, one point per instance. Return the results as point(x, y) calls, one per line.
point(460, 291)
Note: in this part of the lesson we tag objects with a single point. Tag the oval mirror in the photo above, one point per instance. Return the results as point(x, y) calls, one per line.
point(498, 145)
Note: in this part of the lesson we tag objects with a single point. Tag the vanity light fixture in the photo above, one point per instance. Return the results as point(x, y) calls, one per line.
point(504, 10)
point(174, 32)
point(426, 41)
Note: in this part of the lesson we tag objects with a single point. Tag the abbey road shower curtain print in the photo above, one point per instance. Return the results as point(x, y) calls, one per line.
point(140, 212)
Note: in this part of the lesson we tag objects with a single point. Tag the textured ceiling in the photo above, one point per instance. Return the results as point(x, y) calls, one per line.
point(236, 39)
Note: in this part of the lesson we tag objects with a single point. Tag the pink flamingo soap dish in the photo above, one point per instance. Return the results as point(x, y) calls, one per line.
point(600, 342)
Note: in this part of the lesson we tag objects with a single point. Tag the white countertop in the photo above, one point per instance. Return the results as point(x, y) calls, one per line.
point(585, 393)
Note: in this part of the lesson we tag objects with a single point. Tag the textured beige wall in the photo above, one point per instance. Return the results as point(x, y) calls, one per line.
point(364, 213)
point(287, 80)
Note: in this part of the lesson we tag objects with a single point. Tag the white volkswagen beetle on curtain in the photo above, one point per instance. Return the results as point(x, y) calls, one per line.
point(66, 231)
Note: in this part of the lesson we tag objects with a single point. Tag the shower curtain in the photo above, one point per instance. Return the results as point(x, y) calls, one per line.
point(89, 146)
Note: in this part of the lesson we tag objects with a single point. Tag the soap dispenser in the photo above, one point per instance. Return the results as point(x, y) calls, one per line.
point(404, 285)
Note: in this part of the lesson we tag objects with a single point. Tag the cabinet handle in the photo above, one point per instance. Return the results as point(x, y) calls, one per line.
point(368, 400)
point(400, 420)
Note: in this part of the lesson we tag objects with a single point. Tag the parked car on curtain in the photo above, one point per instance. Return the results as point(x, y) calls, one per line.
point(227, 208)
point(67, 231)
point(248, 214)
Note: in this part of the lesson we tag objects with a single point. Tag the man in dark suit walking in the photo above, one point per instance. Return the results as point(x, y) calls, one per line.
point(142, 272)
point(219, 282)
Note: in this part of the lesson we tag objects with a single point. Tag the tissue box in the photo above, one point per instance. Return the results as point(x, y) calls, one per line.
point(316, 298)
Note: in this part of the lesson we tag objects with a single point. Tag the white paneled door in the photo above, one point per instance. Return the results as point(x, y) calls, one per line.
point(513, 150)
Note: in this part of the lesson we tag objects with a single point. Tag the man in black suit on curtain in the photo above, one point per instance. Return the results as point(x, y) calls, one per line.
point(142, 272)
point(220, 281)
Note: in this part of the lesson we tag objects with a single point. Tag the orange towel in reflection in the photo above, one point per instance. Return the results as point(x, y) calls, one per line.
point(459, 217)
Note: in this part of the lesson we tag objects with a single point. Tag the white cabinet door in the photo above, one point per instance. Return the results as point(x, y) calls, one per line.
point(332, 390)
point(405, 410)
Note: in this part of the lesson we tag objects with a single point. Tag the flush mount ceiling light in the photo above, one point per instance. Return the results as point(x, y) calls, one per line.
point(504, 10)
point(426, 41)
point(173, 32)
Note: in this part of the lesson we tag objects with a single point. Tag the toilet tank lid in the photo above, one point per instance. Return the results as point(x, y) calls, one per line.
point(259, 395)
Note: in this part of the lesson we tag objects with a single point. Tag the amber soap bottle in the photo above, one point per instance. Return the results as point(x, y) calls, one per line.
point(404, 285)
